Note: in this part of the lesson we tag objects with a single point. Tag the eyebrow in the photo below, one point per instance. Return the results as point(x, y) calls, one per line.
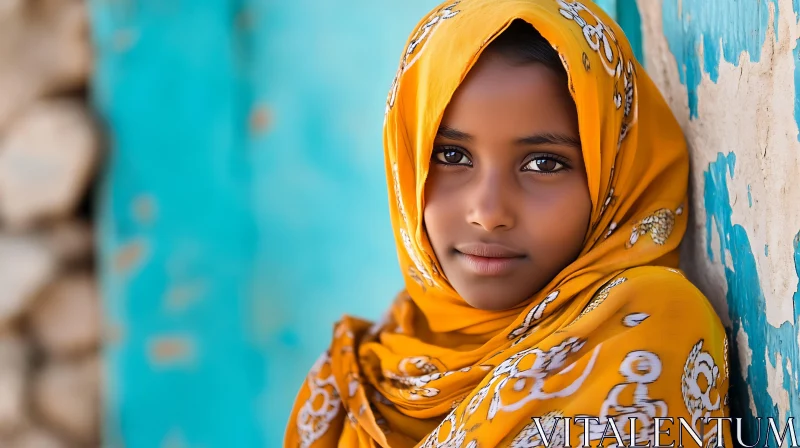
point(551, 139)
point(544, 138)
point(453, 134)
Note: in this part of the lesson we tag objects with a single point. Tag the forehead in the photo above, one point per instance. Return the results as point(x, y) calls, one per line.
point(502, 97)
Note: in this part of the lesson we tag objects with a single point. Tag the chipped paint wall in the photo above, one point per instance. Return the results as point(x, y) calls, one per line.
point(243, 208)
point(729, 70)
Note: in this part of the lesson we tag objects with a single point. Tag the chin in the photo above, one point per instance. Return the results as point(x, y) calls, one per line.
point(493, 301)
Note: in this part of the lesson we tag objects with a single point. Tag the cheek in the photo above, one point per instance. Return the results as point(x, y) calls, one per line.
point(561, 215)
point(437, 214)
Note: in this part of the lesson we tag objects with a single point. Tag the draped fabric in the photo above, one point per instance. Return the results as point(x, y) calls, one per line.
point(619, 337)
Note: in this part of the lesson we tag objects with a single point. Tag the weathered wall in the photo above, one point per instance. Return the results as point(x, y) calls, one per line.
point(50, 326)
point(243, 208)
point(729, 71)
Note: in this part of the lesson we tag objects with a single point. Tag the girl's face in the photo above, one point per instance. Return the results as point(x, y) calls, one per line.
point(507, 199)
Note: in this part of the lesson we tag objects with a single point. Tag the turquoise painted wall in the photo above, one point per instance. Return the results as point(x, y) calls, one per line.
point(243, 204)
point(243, 207)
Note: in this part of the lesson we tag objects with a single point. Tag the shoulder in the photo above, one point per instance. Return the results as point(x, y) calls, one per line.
point(657, 312)
point(654, 306)
point(664, 292)
point(654, 337)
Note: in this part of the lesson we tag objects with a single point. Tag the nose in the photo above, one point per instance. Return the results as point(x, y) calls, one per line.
point(491, 204)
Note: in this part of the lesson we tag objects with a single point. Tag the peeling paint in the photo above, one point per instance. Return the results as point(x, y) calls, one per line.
point(171, 350)
point(776, 386)
point(796, 245)
point(697, 25)
point(129, 256)
point(260, 120)
point(728, 71)
point(789, 373)
point(220, 119)
point(747, 305)
point(745, 355)
point(180, 297)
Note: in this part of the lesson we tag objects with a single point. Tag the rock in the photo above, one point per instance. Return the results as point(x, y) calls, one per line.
point(47, 159)
point(45, 48)
point(26, 267)
point(65, 320)
point(13, 374)
point(37, 438)
point(66, 395)
point(71, 241)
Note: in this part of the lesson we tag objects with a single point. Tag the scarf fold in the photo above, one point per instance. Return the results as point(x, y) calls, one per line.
point(619, 333)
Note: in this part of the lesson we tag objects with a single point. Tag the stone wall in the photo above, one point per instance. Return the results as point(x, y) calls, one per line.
point(49, 305)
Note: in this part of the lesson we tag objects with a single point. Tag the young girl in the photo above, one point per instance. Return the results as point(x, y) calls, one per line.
point(538, 188)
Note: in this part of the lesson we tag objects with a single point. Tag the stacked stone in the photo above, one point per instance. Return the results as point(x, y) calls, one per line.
point(49, 153)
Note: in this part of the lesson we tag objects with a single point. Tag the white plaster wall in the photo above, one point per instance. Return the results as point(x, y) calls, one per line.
point(749, 111)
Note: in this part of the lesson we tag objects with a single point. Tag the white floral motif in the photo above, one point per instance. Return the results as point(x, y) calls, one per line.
point(455, 436)
point(422, 35)
point(639, 368)
point(595, 34)
point(410, 250)
point(532, 379)
point(342, 331)
point(545, 364)
point(477, 399)
point(634, 319)
point(602, 39)
point(422, 363)
point(352, 419)
point(552, 425)
point(698, 400)
point(353, 384)
point(609, 199)
point(353, 387)
point(416, 386)
point(658, 225)
point(533, 315)
point(312, 422)
point(629, 87)
point(600, 297)
point(611, 227)
point(725, 357)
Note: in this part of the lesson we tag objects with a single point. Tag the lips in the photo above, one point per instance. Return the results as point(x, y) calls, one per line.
point(489, 259)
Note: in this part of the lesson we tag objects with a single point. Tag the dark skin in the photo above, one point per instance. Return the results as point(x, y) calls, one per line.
point(507, 203)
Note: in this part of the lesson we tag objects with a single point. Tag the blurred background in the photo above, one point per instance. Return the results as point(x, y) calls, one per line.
point(192, 192)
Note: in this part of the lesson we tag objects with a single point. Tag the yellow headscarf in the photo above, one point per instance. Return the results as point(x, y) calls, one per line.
point(619, 333)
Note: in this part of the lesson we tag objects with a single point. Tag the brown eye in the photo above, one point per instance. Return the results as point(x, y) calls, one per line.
point(451, 156)
point(545, 165)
